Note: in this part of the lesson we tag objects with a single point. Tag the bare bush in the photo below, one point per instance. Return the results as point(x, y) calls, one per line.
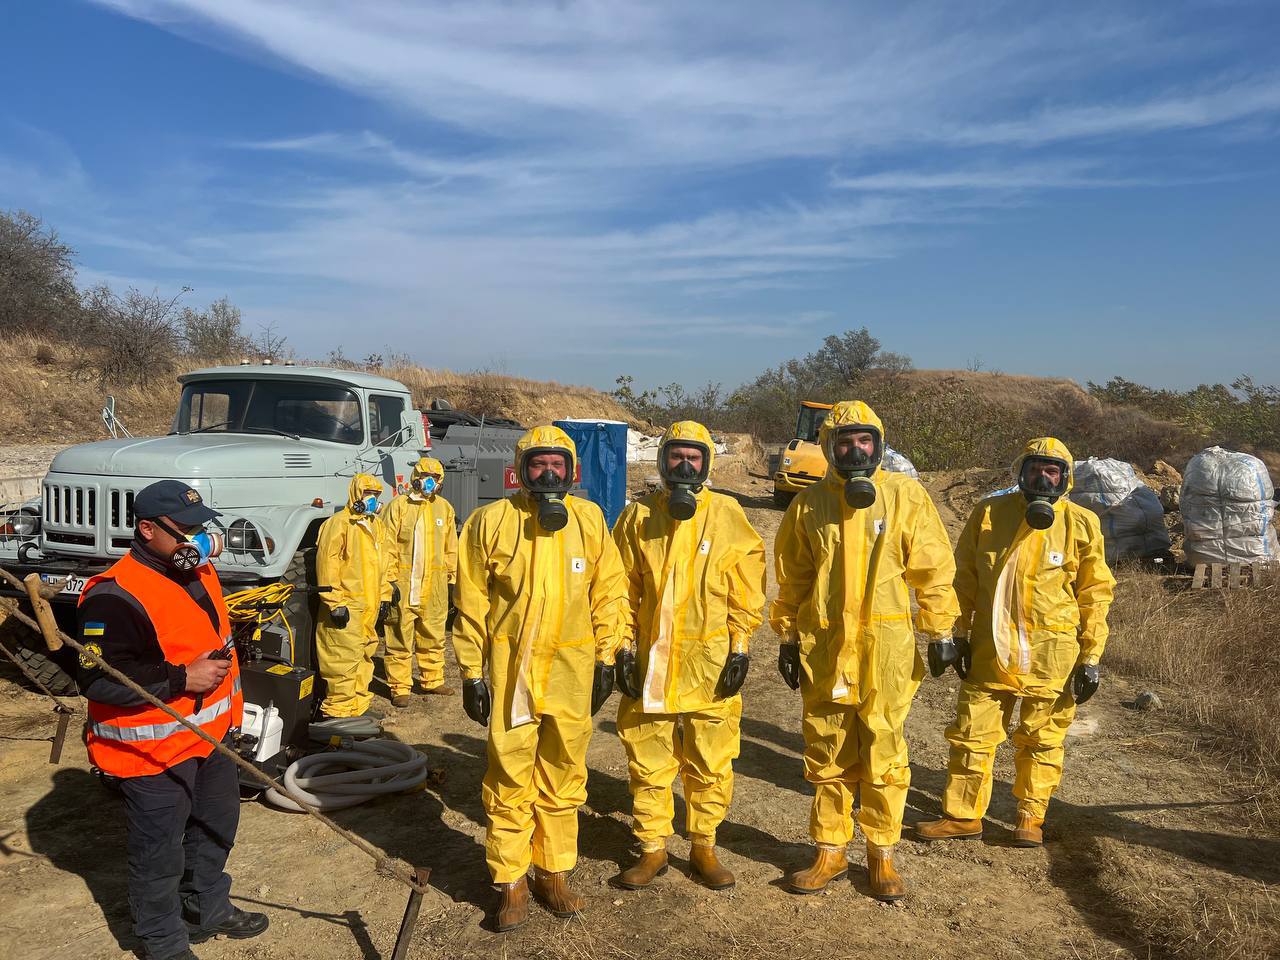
point(37, 277)
point(132, 338)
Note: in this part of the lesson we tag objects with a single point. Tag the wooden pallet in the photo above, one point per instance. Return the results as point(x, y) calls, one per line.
point(1228, 576)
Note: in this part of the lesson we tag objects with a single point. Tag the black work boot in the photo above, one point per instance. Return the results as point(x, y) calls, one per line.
point(237, 925)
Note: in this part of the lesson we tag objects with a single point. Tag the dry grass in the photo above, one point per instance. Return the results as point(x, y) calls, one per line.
point(44, 400)
point(1217, 650)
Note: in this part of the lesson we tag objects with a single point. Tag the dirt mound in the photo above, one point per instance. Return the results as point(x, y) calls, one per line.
point(1003, 389)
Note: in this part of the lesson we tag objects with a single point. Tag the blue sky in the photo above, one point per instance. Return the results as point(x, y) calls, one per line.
point(678, 191)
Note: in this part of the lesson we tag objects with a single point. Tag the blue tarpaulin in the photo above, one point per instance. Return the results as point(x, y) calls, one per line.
point(602, 453)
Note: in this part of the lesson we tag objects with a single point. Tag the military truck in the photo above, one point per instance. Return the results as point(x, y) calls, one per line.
point(273, 448)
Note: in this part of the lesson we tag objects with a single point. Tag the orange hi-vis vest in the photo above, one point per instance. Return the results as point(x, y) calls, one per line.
point(144, 740)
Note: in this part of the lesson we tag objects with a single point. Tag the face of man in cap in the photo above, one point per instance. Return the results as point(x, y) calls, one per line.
point(167, 512)
point(159, 541)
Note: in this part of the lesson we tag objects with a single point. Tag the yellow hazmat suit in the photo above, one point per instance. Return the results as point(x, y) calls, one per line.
point(843, 576)
point(697, 591)
point(355, 557)
point(426, 535)
point(539, 610)
point(1034, 604)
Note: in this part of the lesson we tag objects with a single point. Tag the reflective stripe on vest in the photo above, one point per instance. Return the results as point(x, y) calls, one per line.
point(159, 731)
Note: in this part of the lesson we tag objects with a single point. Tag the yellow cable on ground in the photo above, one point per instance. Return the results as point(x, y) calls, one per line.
point(261, 606)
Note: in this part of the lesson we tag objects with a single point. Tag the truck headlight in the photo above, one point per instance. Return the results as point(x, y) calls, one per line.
point(20, 524)
point(244, 536)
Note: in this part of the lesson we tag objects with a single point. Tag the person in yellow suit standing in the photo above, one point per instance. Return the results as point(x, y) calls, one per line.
point(539, 598)
point(355, 559)
point(1034, 589)
point(424, 527)
point(695, 576)
point(848, 549)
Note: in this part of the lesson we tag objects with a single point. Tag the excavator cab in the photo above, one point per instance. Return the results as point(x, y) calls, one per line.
point(802, 461)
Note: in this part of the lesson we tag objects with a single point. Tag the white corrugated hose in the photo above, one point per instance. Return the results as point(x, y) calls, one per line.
point(344, 778)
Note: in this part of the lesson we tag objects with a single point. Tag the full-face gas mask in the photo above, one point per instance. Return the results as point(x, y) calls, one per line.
point(683, 480)
point(194, 549)
point(854, 464)
point(1040, 492)
point(547, 489)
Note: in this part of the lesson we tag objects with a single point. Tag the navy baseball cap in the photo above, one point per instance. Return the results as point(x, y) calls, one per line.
point(173, 499)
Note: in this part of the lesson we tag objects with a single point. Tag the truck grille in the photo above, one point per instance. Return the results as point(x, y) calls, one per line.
point(121, 510)
point(71, 507)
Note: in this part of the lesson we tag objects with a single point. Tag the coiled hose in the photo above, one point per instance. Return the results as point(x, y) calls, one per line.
point(344, 778)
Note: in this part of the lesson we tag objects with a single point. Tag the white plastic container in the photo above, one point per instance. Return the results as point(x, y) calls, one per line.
point(265, 724)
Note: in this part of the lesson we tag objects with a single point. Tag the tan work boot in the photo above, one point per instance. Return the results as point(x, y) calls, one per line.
point(828, 864)
point(1029, 832)
point(948, 829)
point(886, 884)
point(708, 869)
point(552, 891)
point(513, 907)
point(400, 700)
point(652, 863)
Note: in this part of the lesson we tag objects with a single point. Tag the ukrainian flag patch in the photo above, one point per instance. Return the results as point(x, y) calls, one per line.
point(95, 629)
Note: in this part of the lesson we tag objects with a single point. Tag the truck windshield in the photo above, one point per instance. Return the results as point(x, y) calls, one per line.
point(317, 411)
point(809, 421)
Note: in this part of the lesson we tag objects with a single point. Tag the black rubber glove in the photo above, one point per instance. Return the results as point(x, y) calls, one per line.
point(733, 675)
point(339, 616)
point(395, 594)
point(964, 661)
point(624, 673)
point(384, 610)
point(601, 686)
point(475, 700)
point(1084, 681)
point(789, 664)
point(942, 654)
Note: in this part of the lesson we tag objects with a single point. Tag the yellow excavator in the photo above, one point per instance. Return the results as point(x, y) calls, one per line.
point(801, 462)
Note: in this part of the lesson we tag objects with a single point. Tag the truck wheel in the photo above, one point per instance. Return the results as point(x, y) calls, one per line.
point(49, 671)
point(782, 498)
point(300, 610)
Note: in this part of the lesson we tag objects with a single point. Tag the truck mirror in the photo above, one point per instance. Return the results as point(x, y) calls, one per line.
point(410, 429)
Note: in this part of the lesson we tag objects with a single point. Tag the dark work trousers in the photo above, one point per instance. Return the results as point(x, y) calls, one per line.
point(181, 826)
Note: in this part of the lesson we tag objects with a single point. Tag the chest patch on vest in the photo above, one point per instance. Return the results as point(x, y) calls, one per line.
point(578, 565)
point(1055, 558)
point(705, 548)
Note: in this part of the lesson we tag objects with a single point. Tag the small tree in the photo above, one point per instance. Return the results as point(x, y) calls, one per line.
point(214, 333)
point(37, 277)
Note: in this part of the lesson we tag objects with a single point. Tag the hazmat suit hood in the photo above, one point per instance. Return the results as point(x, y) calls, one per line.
point(1050, 448)
point(691, 432)
point(684, 487)
point(848, 413)
point(361, 486)
point(1044, 505)
point(427, 467)
point(545, 438)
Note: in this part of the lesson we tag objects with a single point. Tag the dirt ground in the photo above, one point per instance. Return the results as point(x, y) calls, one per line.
point(1138, 819)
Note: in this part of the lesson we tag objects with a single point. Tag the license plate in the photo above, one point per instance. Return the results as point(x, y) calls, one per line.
point(74, 585)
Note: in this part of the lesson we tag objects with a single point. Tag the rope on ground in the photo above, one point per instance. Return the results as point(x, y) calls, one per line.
point(385, 864)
